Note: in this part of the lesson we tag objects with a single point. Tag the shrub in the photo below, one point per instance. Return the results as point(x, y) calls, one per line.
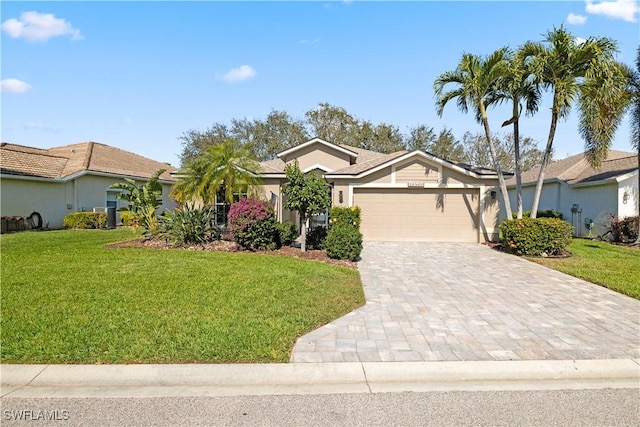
point(343, 242)
point(345, 216)
point(625, 230)
point(188, 225)
point(253, 225)
point(85, 220)
point(536, 236)
point(287, 232)
point(129, 219)
point(316, 238)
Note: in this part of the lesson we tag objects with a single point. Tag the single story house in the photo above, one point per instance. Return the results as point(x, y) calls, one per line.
point(584, 194)
point(57, 181)
point(403, 196)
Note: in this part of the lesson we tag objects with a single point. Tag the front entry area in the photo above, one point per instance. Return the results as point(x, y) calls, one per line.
point(427, 215)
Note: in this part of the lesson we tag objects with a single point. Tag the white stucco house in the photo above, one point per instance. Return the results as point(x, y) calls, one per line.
point(582, 193)
point(57, 181)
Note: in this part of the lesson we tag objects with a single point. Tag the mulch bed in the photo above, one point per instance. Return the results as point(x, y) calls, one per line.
point(227, 246)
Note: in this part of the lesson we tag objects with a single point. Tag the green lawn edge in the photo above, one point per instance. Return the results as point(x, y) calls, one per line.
point(66, 298)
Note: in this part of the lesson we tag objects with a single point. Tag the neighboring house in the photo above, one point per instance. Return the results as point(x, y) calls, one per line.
point(403, 196)
point(582, 193)
point(57, 181)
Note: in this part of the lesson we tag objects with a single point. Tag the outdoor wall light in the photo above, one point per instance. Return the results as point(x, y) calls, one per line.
point(493, 194)
point(625, 197)
point(340, 197)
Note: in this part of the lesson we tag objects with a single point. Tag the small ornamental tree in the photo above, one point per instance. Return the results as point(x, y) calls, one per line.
point(307, 194)
point(143, 199)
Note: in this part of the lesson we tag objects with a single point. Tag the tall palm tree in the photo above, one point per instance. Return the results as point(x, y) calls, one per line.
point(517, 87)
point(561, 64)
point(228, 166)
point(474, 80)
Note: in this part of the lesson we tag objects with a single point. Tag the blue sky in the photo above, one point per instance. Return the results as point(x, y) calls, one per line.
point(137, 75)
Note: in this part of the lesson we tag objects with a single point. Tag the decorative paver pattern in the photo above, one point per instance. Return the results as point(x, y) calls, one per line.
point(449, 301)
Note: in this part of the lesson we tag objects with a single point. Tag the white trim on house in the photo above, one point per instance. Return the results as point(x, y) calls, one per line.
point(78, 175)
point(317, 140)
point(316, 166)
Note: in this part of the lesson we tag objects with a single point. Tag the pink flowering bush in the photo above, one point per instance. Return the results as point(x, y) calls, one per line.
point(253, 225)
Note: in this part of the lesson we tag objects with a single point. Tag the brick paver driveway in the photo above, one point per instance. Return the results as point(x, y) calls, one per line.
point(435, 301)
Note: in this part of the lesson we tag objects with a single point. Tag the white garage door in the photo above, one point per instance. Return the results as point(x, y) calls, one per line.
point(435, 215)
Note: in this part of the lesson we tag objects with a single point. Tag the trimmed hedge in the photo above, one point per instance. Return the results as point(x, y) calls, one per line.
point(129, 219)
point(253, 224)
point(344, 240)
point(536, 236)
point(549, 213)
point(85, 220)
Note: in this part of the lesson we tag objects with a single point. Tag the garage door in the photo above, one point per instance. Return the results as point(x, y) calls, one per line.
point(418, 214)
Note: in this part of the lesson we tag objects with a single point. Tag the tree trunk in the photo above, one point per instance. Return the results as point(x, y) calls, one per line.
point(303, 233)
point(637, 242)
point(492, 149)
point(518, 171)
point(545, 161)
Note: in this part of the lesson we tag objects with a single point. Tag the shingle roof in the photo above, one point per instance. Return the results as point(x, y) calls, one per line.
point(576, 169)
point(61, 162)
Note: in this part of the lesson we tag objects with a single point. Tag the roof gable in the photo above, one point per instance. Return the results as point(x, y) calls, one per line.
point(340, 148)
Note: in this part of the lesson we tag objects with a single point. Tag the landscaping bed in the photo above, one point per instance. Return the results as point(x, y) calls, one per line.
point(228, 246)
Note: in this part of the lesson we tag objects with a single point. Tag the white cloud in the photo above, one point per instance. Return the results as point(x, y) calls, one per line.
point(618, 9)
point(38, 27)
point(41, 127)
point(244, 72)
point(14, 86)
point(309, 41)
point(574, 19)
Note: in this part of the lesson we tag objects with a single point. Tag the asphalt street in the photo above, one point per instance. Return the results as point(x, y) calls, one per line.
point(603, 407)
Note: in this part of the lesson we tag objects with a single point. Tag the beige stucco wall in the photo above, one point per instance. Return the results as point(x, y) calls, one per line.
point(54, 200)
point(19, 197)
point(417, 170)
point(319, 155)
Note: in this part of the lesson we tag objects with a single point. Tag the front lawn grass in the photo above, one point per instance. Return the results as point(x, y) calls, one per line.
point(614, 267)
point(68, 299)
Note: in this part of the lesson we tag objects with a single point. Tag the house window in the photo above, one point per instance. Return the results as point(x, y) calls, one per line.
point(222, 207)
point(321, 219)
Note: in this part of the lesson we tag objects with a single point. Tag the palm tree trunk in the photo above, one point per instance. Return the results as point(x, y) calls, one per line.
point(545, 161)
point(637, 242)
point(492, 149)
point(518, 166)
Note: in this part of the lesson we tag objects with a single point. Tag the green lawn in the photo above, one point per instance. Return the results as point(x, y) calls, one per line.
point(614, 267)
point(68, 299)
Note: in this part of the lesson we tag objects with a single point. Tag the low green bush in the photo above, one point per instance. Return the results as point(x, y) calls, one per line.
point(129, 219)
point(345, 216)
point(625, 230)
point(253, 224)
point(316, 238)
point(85, 220)
point(188, 225)
point(287, 232)
point(535, 236)
point(343, 242)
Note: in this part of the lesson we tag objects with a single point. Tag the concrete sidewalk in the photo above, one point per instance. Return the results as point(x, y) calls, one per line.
point(86, 381)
